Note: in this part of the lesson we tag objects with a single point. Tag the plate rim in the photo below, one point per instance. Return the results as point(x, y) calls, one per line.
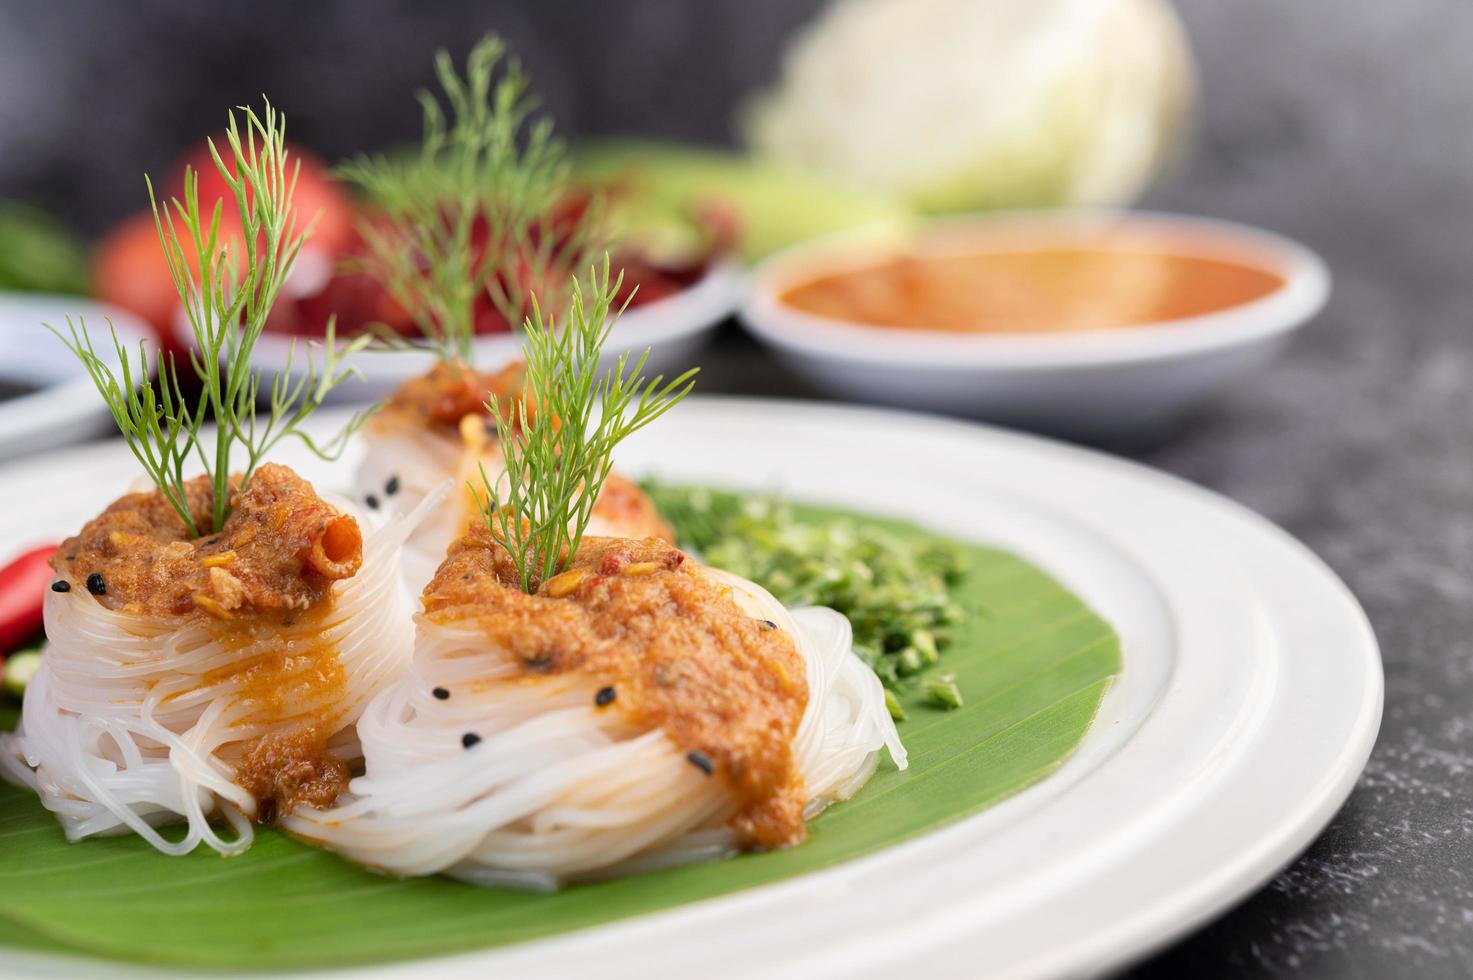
point(683, 315)
point(69, 405)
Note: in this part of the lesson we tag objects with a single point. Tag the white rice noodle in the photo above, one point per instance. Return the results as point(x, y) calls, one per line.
point(133, 723)
point(557, 790)
point(423, 460)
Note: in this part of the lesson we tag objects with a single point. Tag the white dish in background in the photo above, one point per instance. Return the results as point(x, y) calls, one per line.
point(64, 407)
point(673, 328)
point(1248, 704)
point(1114, 384)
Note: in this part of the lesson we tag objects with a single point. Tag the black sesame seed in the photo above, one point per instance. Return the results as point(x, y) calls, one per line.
point(469, 739)
point(701, 762)
point(96, 585)
point(604, 697)
point(392, 487)
point(371, 501)
point(441, 694)
point(61, 585)
point(541, 663)
point(768, 624)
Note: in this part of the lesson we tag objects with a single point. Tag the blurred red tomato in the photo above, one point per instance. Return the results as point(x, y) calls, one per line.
point(128, 263)
point(351, 294)
point(23, 584)
point(128, 270)
point(316, 194)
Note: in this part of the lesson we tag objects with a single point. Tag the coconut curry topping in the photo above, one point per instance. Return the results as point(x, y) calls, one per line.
point(285, 667)
point(291, 769)
point(279, 551)
point(643, 621)
point(450, 392)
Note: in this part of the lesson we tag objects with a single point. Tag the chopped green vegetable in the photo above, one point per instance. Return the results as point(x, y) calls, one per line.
point(908, 662)
point(943, 692)
point(895, 590)
point(19, 669)
point(892, 705)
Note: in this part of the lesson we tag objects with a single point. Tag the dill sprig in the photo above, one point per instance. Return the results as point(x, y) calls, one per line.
point(227, 283)
point(474, 210)
point(559, 435)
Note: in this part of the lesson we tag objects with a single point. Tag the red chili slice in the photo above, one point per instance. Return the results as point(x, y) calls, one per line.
point(23, 585)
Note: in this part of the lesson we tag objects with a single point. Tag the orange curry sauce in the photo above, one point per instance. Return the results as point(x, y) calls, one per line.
point(1049, 280)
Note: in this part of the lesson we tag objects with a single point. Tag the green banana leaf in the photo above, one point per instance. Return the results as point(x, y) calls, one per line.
point(1033, 660)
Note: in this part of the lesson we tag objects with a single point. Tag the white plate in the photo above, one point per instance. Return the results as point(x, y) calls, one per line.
point(65, 407)
point(672, 328)
point(1249, 701)
point(1103, 384)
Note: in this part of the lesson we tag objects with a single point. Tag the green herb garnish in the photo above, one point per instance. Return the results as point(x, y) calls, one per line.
point(559, 435)
point(895, 590)
point(472, 211)
point(228, 285)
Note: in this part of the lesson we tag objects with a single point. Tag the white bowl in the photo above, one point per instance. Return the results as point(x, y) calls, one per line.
point(64, 407)
point(1104, 385)
point(673, 329)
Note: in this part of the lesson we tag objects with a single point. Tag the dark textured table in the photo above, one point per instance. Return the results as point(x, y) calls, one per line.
point(1346, 126)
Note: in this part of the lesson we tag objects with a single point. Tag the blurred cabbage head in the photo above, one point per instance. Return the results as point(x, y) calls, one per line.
point(962, 104)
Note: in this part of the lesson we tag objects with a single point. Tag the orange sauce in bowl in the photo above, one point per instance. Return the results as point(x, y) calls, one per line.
point(1047, 281)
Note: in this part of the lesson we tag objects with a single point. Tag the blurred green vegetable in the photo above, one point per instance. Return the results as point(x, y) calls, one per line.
point(964, 104)
point(895, 590)
point(667, 234)
point(37, 254)
point(19, 669)
point(774, 205)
